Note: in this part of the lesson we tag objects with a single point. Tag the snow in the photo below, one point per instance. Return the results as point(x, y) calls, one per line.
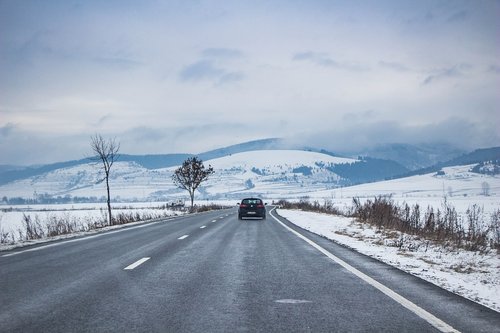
point(275, 160)
point(263, 172)
point(460, 187)
point(472, 275)
point(79, 214)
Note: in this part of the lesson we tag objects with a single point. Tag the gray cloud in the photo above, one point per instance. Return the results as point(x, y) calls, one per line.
point(396, 66)
point(446, 73)
point(322, 59)
point(208, 70)
point(117, 63)
point(222, 53)
point(362, 134)
point(7, 130)
point(458, 16)
point(231, 77)
point(203, 69)
point(114, 67)
point(494, 69)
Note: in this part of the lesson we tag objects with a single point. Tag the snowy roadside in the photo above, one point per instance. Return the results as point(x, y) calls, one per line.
point(471, 275)
point(20, 244)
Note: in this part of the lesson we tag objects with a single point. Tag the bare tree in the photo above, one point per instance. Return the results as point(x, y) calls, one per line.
point(106, 152)
point(190, 175)
point(485, 188)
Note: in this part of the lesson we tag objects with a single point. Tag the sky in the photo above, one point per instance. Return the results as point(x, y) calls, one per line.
point(190, 76)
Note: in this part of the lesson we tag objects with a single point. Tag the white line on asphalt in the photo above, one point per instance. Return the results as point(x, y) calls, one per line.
point(137, 263)
point(183, 237)
point(221, 217)
point(430, 318)
point(203, 227)
point(214, 221)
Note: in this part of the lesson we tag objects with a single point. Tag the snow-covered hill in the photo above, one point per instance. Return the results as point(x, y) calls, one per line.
point(263, 172)
point(272, 174)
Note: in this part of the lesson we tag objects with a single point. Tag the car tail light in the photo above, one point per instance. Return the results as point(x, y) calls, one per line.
point(243, 206)
point(260, 206)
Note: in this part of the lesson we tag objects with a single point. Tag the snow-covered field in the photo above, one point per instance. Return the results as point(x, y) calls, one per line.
point(472, 275)
point(11, 217)
point(460, 187)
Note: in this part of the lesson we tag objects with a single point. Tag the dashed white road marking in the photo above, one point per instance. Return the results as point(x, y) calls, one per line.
point(220, 218)
point(292, 301)
point(203, 227)
point(183, 237)
point(213, 221)
point(430, 318)
point(137, 263)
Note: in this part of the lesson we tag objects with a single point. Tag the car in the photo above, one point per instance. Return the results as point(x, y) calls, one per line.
point(252, 207)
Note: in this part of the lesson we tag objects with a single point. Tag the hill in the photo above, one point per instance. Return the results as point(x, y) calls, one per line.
point(258, 167)
point(414, 157)
point(475, 157)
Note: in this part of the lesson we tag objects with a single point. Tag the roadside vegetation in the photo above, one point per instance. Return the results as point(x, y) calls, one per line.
point(36, 226)
point(474, 231)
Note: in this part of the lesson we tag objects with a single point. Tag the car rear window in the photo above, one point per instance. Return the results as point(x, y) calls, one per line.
point(251, 201)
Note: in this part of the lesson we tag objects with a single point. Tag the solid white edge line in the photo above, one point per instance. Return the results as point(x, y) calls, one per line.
point(137, 263)
point(430, 318)
point(183, 237)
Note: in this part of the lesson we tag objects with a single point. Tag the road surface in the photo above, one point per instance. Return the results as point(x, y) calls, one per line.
point(212, 273)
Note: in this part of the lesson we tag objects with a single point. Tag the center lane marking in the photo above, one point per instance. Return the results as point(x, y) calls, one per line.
point(137, 263)
point(183, 237)
point(203, 227)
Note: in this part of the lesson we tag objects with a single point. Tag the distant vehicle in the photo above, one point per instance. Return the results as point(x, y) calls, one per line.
point(252, 207)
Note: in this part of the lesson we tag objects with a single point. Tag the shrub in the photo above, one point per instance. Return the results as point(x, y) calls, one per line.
point(327, 207)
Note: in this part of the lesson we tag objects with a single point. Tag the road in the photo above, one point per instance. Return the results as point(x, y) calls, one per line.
point(212, 273)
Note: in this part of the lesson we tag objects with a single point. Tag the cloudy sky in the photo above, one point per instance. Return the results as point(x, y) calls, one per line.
point(189, 76)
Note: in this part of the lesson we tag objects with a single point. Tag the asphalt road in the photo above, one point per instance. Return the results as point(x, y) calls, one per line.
point(212, 273)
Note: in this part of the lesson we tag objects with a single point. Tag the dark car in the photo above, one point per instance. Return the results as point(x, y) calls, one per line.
point(252, 207)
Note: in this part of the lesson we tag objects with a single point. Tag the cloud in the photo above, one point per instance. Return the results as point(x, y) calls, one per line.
point(206, 69)
point(117, 63)
point(322, 59)
point(222, 53)
point(361, 134)
point(458, 16)
point(114, 66)
point(398, 67)
point(231, 77)
point(446, 73)
point(203, 69)
point(494, 69)
point(7, 130)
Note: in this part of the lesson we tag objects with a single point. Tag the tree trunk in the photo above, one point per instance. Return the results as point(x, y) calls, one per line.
point(191, 194)
point(109, 199)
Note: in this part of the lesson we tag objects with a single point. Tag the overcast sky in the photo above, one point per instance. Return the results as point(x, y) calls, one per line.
point(189, 76)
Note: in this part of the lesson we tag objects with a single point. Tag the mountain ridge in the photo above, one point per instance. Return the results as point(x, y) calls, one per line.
point(369, 169)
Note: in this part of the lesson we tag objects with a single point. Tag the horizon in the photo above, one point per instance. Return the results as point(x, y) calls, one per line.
point(176, 77)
